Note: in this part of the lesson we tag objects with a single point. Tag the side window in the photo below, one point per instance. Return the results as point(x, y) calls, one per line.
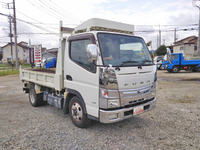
point(78, 53)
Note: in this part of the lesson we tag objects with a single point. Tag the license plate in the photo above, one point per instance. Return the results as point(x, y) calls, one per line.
point(138, 110)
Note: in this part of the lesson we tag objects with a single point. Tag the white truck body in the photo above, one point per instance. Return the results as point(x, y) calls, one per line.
point(106, 90)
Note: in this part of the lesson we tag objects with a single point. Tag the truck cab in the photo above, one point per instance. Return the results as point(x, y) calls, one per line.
point(50, 62)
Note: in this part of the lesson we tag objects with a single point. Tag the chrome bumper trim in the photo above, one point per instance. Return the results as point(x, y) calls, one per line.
point(104, 114)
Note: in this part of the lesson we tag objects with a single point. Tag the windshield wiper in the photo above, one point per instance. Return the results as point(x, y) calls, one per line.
point(146, 61)
point(129, 61)
point(140, 66)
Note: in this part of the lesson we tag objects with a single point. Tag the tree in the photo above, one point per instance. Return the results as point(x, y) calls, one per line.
point(162, 50)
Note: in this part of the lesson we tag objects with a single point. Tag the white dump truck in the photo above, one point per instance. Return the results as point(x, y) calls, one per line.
point(103, 73)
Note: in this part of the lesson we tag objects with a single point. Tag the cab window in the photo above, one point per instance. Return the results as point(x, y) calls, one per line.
point(78, 54)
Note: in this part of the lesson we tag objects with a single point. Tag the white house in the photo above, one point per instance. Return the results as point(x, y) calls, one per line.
point(187, 46)
point(22, 49)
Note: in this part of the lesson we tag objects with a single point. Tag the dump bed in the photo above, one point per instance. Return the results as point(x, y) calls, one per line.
point(44, 77)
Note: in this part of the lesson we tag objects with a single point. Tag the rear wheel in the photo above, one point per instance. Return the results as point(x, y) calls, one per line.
point(198, 69)
point(175, 69)
point(35, 99)
point(78, 117)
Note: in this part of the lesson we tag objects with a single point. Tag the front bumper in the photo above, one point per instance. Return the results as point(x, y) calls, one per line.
point(124, 113)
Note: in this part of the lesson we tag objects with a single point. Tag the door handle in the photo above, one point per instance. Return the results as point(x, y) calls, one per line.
point(68, 77)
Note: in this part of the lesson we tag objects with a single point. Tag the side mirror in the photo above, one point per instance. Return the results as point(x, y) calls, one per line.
point(92, 52)
point(169, 55)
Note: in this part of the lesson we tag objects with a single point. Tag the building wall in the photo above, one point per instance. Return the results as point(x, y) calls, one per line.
point(178, 49)
point(22, 53)
point(189, 49)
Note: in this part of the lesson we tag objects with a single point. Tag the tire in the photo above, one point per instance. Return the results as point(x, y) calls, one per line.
point(78, 117)
point(198, 69)
point(194, 70)
point(35, 99)
point(169, 70)
point(175, 69)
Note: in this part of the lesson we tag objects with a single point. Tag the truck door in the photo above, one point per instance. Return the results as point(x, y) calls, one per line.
point(175, 59)
point(80, 74)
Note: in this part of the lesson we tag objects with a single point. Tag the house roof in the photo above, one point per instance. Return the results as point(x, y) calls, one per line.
point(53, 51)
point(190, 39)
point(21, 44)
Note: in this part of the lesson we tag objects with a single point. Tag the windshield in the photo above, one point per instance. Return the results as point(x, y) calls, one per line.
point(174, 56)
point(123, 50)
point(49, 60)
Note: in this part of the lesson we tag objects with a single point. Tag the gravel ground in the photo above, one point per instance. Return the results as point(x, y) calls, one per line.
point(173, 124)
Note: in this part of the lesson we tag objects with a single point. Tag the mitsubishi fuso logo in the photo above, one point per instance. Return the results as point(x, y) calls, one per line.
point(138, 92)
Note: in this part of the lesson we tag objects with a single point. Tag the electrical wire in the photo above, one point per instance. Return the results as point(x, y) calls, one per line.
point(61, 10)
point(49, 12)
point(37, 21)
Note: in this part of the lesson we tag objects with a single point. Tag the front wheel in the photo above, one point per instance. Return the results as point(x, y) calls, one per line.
point(78, 117)
point(175, 69)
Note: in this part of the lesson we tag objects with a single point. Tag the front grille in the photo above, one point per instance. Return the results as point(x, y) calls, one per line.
point(140, 103)
point(135, 96)
point(136, 101)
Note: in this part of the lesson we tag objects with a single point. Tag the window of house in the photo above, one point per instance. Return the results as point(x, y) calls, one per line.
point(7, 50)
point(78, 53)
point(181, 48)
point(195, 47)
point(24, 51)
point(18, 50)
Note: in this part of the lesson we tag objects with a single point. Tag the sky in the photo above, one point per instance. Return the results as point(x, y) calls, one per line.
point(38, 20)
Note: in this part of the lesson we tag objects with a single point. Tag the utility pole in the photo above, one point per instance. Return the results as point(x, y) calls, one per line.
point(174, 35)
point(15, 33)
point(194, 3)
point(159, 36)
point(8, 6)
point(157, 42)
point(11, 35)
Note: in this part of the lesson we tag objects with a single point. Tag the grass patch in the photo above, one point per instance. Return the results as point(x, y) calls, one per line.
point(184, 99)
point(3, 65)
point(8, 72)
point(26, 65)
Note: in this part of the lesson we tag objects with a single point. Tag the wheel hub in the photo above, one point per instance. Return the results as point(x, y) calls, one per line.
point(77, 112)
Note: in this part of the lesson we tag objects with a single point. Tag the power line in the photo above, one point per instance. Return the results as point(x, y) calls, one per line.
point(52, 14)
point(62, 10)
point(40, 33)
point(35, 20)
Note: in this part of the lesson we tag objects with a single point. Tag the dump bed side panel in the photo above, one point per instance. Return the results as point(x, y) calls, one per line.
point(39, 77)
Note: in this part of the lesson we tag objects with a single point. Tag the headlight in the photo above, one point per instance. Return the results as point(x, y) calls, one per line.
point(105, 93)
point(155, 76)
point(109, 98)
point(153, 89)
